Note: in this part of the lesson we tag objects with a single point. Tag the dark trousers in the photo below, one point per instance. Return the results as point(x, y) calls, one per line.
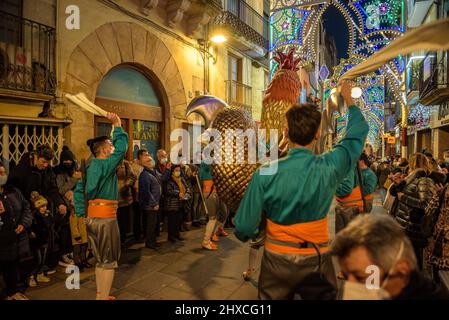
point(80, 253)
point(122, 220)
point(9, 271)
point(151, 217)
point(174, 224)
point(284, 275)
point(196, 209)
point(139, 222)
point(418, 248)
point(40, 259)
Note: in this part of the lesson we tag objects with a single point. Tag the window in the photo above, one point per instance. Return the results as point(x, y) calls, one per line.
point(16, 139)
point(10, 26)
point(130, 93)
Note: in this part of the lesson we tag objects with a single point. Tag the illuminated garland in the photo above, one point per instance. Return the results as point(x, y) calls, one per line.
point(419, 116)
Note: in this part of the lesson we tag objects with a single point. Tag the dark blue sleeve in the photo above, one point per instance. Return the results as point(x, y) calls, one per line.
point(143, 188)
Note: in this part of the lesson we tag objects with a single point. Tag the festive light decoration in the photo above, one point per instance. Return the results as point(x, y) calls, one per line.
point(419, 116)
point(372, 24)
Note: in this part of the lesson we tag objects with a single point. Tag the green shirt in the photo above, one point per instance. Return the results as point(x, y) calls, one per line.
point(101, 174)
point(348, 184)
point(302, 188)
point(205, 171)
point(369, 181)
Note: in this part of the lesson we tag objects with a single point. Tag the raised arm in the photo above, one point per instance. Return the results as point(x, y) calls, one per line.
point(344, 155)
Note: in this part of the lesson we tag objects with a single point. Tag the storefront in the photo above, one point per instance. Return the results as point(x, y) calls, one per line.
point(440, 128)
point(127, 91)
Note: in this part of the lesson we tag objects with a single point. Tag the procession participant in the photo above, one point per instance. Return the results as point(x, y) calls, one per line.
point(211, 202)
point(369, 181)
point(100, 194)
point(296, 200)
point(349, 200)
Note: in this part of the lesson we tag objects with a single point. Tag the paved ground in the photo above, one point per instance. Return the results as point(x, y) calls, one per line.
point(177, 271)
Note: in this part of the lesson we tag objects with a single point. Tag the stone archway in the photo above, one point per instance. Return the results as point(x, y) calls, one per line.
point(110, 45)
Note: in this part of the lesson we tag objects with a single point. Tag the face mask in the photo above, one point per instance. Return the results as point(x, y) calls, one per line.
point(151, 164)
point(360, 291)
point(3, 180)
point(164, 160)
point(177, 174)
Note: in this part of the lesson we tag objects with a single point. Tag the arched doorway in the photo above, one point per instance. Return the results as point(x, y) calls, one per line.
point(128, 91)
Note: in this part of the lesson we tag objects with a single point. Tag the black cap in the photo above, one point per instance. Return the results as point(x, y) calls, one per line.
point(91, 143)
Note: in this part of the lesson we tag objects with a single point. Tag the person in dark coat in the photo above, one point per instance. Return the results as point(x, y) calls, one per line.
point(371, 242)
point(33, 173)
point(15, 221)
point(176, 193)
point(414, 193)
point(42, 238)
point(67, 176)
point(150, 192)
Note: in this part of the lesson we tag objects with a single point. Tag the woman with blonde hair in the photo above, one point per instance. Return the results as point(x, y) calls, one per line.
point(413, 193)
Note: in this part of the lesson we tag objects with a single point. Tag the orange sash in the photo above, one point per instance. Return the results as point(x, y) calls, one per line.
point(352, 200)
point(208, 186)
point(314, 232)
point(102, 208)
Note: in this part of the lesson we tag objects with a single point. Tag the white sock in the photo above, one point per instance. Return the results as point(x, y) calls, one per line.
point(210, 227)
point(99, 281)
point(253, 255)
point(108, 278)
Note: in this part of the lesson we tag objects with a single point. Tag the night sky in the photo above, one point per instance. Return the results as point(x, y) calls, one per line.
point(336, 26)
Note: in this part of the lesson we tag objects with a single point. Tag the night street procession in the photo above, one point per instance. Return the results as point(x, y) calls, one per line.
point(234, 152)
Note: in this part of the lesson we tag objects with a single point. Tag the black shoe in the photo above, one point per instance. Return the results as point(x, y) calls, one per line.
point(152, 246)
point(196, 225)
point(203, 222)
point(80, 267)
point(180, 238)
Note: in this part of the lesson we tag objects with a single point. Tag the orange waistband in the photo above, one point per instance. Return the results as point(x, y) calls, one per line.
point(314, 232)
point(102, 208)
point(208, 186)
point(353, 199)
point(369, 197)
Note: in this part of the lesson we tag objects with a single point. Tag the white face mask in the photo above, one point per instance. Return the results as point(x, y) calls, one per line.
point(3, 180)
point(164, 160)
point(360, 291)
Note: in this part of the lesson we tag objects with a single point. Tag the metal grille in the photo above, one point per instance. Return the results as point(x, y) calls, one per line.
point(17, 139)
point(27, 55)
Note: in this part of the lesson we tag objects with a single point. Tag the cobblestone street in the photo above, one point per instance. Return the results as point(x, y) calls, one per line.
point(179, 271)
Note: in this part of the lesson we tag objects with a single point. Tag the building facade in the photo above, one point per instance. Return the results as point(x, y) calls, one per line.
point(427, 86)
point(144, 60)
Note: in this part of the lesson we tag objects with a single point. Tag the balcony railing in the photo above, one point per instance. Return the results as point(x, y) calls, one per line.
point(239, 95)
point(245, 21)
point(435, 88)
point(27, 55)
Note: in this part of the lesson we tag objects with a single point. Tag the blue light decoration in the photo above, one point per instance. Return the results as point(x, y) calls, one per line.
point(419, 116)
point(380, 15)
point(286, 31)
point(372, 24)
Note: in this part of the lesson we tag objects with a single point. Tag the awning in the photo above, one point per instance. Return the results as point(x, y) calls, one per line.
point(419, 12)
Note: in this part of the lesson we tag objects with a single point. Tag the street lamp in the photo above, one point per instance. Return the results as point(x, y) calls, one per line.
point(219, 38)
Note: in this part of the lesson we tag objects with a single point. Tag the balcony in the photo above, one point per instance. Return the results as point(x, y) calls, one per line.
point(239, 95)
point(27, 59)
point(434, 90)
point(249, 31)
